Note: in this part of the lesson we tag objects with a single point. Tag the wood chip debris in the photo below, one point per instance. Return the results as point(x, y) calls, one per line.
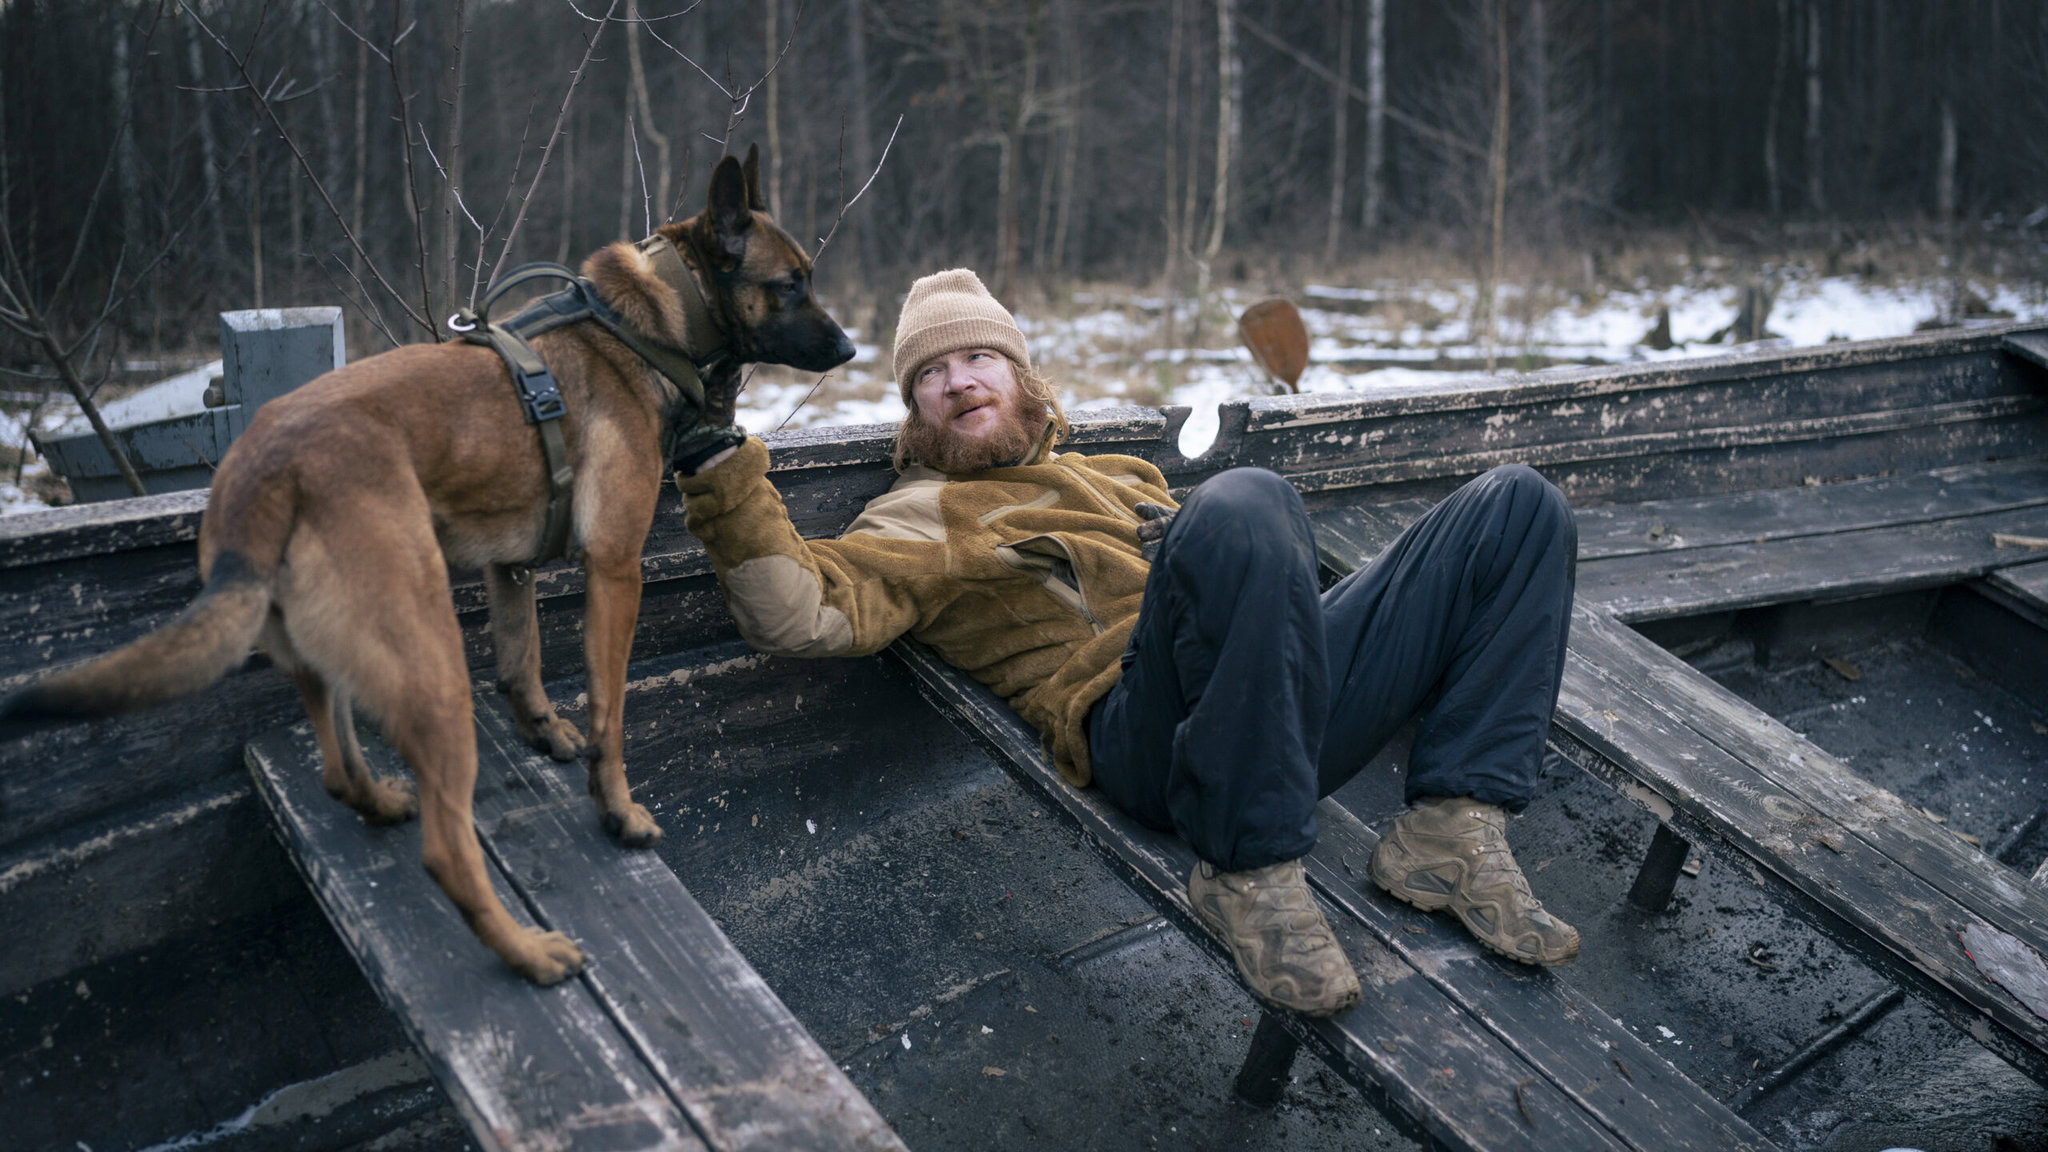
point(1843, 668)
point(2013, 540)
point(1520, 1105)
point(992, 1070)
point(1759, 956)
point(1831, 840)
point(1692, 865)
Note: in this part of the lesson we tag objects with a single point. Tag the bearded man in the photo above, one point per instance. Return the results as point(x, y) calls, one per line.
point(1183, 659)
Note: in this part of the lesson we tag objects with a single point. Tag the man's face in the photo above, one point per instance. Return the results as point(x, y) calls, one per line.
point(972, 413)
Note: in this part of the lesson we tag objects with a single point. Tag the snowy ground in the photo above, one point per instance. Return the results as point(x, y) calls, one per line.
point(1110, 347)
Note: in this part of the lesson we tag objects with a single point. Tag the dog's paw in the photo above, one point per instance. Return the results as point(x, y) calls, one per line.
point(386, 800)
point(635, 829)
point(557, 737)
point(545, 957)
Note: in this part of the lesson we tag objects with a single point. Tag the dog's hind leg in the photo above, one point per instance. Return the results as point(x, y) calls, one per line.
point(515, 638)
point(395, 642)
point(611, 606)
point(343, 771)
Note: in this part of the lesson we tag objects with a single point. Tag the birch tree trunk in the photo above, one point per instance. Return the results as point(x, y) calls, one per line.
point(1171, 274)
point(1229, 88)
point(209, 148)
point(1070, 146)
point(771, 10)
point(451, 161)
point(362, 147)
point(649, 122)
point(1375, 116)
point(1945, 168)
point(126, 165)
point(1539, 97)
point(1340, 97)
point(1499, 165)
point(1816, 193)
point(857, 132)
point(1773, 182)
point(255, 182)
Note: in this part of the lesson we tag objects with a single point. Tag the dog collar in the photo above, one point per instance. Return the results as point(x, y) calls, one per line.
point(673, 270)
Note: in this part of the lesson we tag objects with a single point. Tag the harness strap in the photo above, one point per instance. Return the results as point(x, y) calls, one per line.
point(539, 397)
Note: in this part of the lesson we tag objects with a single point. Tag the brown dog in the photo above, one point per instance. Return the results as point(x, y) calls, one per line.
point(334, 519)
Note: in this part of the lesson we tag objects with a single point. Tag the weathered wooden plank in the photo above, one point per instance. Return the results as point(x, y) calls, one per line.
point(2031, 346)
point(1779, 514)
point(1650, 586)
point(1536, 1012)
point(527, 1067)
point(1698, 414)
point(1459, 449)
point(1908, 926)
point(2025, 584)
point(94, 529)
point(1394, 1045)
point(743, 1069)
point(1794, 464)
point(1898, 831)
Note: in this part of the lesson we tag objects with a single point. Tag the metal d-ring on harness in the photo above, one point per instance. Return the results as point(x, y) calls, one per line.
point(538, 395)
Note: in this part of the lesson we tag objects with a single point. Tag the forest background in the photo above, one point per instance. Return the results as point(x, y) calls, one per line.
point(1166, 160)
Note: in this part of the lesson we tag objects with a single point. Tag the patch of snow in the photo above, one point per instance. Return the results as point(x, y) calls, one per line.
point(177, 396)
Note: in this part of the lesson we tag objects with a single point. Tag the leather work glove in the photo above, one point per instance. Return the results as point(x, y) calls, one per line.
point(1153, 520)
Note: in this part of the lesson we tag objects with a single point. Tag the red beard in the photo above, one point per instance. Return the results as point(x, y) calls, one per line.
point(938, 446)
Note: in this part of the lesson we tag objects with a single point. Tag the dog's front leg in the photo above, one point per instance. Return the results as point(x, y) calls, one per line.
point(515, 637)
point(611, 606)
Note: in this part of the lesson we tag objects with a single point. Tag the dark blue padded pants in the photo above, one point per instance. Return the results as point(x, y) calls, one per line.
point(1246, 695)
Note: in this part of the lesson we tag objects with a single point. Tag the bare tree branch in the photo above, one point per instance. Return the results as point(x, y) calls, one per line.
point(306, 165)
point(560, 117)
point(827, 237)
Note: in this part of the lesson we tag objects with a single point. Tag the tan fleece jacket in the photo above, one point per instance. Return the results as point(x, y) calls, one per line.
point(1027, 578)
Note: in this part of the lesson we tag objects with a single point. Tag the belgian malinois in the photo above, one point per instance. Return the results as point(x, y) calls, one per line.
point(333, 521)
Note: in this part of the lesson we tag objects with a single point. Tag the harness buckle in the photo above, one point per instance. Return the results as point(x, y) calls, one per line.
point(462, 321)
point(542, 400)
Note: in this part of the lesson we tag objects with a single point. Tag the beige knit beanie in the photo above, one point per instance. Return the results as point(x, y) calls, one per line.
point(948, 311)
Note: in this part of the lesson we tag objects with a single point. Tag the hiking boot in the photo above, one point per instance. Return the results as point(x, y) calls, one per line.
point(1283, 947)
point(1453, 853)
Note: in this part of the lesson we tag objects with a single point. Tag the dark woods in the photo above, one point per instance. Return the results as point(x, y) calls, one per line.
point(167, 159)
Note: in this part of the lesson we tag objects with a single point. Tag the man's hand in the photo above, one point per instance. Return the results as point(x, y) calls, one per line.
point(1153, 520)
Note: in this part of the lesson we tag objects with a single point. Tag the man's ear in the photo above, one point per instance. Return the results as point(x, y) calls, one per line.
point(754, 179)
point(727, 210)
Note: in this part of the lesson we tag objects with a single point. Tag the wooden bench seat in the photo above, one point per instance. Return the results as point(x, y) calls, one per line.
point(1895, 886)
point(669, 1040)
point(1473, 1051)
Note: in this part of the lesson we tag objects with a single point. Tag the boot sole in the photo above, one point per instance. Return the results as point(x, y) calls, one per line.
point(1444, 904)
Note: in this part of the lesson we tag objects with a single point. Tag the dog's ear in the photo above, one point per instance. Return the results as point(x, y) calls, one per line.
point(727, 209)
point(754, 179)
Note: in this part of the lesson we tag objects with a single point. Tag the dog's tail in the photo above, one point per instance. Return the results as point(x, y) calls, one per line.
point(251, 514)
point(209, 639)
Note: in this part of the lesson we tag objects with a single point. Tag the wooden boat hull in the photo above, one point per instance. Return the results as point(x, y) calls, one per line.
point(138, 847)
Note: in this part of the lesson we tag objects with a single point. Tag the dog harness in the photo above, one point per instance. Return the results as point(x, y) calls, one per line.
point(539, 397)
